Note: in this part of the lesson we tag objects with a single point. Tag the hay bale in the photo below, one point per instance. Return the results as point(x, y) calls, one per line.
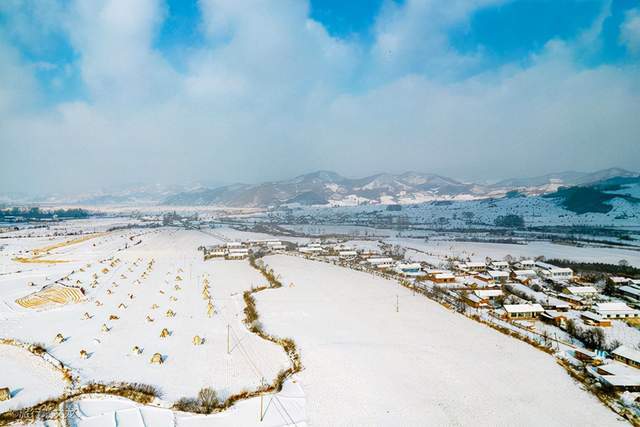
point(170, 313)
point(154, 306)
point(177, 287)
point(164, 333)
point(5, 394)
point(178, 279)
point(197, 340)
point(210, 310)
point(84, 354)
point(58, 339)
point(136, 350)
point(122, 276)
point(157, 359)
point(172, 298)
point(105, 270)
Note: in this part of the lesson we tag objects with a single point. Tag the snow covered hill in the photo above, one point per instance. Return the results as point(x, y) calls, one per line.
point(329, 188)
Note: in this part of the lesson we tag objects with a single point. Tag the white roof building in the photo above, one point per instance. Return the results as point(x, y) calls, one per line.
point(581, 290)
point(616, 310)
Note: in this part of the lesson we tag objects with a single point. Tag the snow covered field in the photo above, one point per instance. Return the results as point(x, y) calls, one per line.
point(363, 362)
point(128, 306)
point(366, 364)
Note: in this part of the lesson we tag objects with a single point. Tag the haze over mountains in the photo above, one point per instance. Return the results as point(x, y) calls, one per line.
point(330, 188)
point(327, 188)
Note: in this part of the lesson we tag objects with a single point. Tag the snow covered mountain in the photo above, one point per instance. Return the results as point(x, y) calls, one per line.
point(330, 188)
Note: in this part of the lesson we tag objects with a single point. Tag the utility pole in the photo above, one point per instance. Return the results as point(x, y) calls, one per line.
point(228, 341)
point(397, 304)
point(261, 400)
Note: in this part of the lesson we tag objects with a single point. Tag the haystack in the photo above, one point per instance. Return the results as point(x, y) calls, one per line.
point(109, 291)
point(154, 306)
point(122, 276)
point(178, 279)
point(161, 291)
point(78, 282)
point(172, 298)
point(58, 339)
point(105, 328)
point(205, 294)
point(177, 287)
point(197, 340)
point(122, 306)
point(84, 354)
point(210, 310)
point(86, 316)
point(131, 296)
point(113, 317)
point(164, 333)
point(98, 303)
point(5, 394)
point(157, 359)
point(136, 350)
point(105, 270)
point(149, 319)
point(170, 313)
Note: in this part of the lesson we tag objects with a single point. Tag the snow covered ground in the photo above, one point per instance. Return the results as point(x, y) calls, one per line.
point(29, 378)
point(123, 298)
point(366, 364)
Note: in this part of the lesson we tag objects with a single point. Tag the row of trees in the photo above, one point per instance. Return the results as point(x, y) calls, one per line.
point(36, 213)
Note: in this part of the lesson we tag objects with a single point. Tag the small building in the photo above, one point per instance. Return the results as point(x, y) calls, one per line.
point(473, 300)
point(499, 265)
point(474, 266)
point(581, 291)
point(238, 253)
point(410, 270)
point(554, 317)
point(498, 275)
point(627, 355)
point(629, 291)
point(584, 355)
point(525, 264)
point(523, 311)
point(594, 319)
point(350, 254)
point(529, 274)
point(488, 294)
point(442, 277)
point(554, 273)
point(380, 262)
point(618, 280)
point(616, 310)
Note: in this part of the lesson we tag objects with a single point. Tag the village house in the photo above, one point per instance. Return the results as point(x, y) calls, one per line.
point(581, 291)
point(554, 317)
point(525, 264)
point(499, 265)
point(348, 254)
point(522, 311)
point(410, 270)
point(631, 292)
point(380, 262)
point(594, 319)
point(441, 276)
point(616, 310)
point(627, 355)
point(554, 273)
point(498, 276)
point(584, 355)
point(619, 376)
point(238, 253)
point(488, 294)
point(473, 266)
point(473, 300)
point(618, 280)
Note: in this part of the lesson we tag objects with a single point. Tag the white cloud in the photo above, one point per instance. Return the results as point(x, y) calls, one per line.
point(270, 95)
point(630, 31)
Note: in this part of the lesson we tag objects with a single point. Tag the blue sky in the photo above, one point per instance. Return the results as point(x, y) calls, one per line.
point(317, 85)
